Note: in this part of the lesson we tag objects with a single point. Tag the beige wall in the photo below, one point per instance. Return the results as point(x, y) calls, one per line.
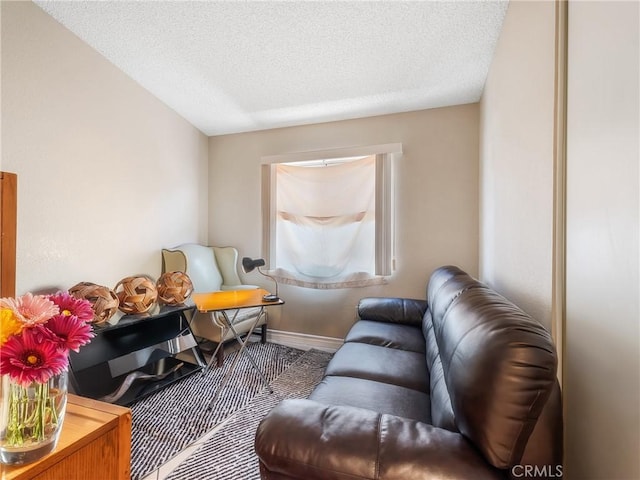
point(516, 160)
point(107, 174)
point(602, 361)
point(436, 206)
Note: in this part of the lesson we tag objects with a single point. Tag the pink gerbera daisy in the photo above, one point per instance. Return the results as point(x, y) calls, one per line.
point(70, 305)
point(69, 332)
point(31, 309)
point(27, 360)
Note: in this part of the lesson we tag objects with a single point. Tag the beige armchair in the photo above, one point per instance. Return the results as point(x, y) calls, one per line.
point(213, 269)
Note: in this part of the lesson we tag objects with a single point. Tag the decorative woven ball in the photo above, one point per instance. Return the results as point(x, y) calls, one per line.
point(136, 294)
point(104, 301)
point(174, 287)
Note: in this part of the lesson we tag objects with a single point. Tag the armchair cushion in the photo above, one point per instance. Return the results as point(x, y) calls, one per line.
point(197, 261)
point(211, 269)
point(227, 261)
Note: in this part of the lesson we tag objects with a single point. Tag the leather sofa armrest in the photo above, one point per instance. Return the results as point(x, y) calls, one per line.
point(309, 440)
point(407, 311)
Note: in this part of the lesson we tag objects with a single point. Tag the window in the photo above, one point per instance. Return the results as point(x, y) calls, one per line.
point(328, 217)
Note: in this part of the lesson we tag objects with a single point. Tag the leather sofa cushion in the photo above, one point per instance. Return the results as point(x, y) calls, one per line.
point(309, 440)
point(441, 411)
point(448, 293)
point(381, 364)
point(405, 311)
point(376, 396)
point(500, 368)
point(390, 335)
point(438, 278)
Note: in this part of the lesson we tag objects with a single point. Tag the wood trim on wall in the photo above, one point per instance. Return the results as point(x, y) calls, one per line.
point(559, 249)
point(8, 222)
point(558, 298)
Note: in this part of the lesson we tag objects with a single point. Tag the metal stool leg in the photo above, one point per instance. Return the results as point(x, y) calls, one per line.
point(243, 349)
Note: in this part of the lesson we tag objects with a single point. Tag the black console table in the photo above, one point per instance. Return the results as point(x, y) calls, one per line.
point(136, 350)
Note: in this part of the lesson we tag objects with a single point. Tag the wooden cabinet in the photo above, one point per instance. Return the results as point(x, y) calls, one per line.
point(95, 443)
point(8, 212)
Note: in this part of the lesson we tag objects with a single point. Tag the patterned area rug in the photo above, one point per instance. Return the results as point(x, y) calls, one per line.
point(168, 421)
point(229, 453)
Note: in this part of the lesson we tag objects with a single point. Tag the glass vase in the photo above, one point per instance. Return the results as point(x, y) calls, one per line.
point(31, 418)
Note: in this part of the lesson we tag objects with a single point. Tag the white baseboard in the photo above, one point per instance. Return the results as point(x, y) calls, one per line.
point(304, 341)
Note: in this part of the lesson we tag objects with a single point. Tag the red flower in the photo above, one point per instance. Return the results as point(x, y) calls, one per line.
point(29, 358)
point(70, 305)
point(68, 332)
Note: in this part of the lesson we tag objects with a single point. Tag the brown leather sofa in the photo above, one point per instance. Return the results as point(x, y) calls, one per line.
point(461, 385)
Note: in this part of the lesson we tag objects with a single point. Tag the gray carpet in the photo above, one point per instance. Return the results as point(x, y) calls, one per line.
point(168, 421)
point(229, 453)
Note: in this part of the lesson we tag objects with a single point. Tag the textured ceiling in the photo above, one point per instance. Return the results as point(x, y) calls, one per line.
point(235, 66)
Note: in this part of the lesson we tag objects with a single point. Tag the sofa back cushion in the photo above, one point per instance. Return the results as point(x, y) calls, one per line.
point(444, 286)
point(499, 365)
point(441, 411)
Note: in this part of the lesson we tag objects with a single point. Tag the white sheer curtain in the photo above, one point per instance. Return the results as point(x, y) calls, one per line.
point(325, 221)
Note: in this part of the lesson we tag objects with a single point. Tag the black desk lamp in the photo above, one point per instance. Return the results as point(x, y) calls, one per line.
point(249, 265)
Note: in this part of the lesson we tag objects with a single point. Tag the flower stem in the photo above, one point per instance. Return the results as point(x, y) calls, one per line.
point(31, 413)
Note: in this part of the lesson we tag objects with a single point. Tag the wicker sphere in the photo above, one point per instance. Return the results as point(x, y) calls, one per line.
point(174, 287)
point(136, 294)
point(104, 301)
